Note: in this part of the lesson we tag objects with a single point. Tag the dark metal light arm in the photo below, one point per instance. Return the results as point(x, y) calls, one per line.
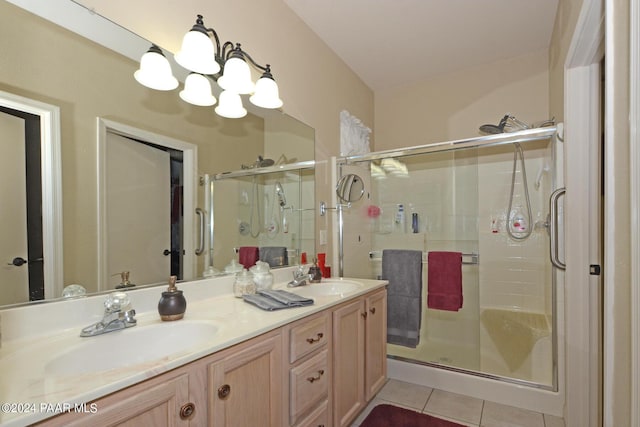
point(266, 69)
point(222, 54)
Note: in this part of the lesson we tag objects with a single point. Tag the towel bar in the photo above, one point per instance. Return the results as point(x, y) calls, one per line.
point(471, 258)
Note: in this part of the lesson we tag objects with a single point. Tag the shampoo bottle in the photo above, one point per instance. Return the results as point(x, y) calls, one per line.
point(400, 222)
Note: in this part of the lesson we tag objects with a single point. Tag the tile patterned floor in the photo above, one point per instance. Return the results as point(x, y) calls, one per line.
point(464, 410)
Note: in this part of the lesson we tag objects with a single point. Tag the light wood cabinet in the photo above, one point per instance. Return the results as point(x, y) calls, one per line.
point(375, 344)
point(161, 401)
point(245, 385)
point(359, 335)
point(318, 371)
point(310, 366)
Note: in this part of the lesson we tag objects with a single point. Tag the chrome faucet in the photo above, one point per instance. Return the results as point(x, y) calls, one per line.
point(299, 278)
point(118, 315)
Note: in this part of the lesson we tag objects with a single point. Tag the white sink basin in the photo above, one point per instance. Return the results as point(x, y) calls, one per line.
point(131, 346)
point(329, 287)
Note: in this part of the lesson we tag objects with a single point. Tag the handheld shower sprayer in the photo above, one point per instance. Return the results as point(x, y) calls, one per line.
point(282, 200)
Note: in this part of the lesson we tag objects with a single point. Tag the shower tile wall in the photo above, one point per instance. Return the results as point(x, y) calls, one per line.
point(514, 276)
point(442, 189)
point(236, 197)
point(458, 196)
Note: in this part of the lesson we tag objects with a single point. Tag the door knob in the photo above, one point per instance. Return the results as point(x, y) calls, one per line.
point(18, 261)
point(166, 252)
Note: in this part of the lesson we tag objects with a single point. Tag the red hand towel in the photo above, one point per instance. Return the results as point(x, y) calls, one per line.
point(248, 255)
point(445, 280)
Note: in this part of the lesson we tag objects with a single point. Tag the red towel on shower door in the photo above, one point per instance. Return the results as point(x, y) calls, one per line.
point(444, 275)
point(248, 255)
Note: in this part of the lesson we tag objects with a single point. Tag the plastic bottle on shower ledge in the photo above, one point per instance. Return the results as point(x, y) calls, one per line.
point(400, 221)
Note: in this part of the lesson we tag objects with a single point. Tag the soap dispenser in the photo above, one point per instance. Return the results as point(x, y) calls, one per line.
point(124, 281)
point(315, 274)
point(172, 304)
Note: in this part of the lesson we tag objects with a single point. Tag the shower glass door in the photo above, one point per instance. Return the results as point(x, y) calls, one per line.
point(474, 201)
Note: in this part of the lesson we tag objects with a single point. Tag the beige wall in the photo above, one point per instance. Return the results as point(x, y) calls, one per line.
point(314, 83)
point(454, 105)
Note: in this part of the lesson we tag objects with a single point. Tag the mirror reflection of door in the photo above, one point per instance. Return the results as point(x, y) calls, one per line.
point(139, 210)
point(21, 251)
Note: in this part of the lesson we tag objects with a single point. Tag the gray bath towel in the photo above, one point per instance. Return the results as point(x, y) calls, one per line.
point(403, 269)
point(275, 256)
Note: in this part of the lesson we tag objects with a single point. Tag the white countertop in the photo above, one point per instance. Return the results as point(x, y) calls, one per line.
point(29, 392)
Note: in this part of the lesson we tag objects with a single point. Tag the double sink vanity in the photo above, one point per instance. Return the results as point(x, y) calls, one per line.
point(227, 363)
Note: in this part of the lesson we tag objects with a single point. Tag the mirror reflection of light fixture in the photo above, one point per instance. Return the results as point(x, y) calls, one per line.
point(227, 65)
point(377, 172)
point(394, 167)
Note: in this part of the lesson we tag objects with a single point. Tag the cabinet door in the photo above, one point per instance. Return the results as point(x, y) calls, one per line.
point(375, 344)
point(348, 380)
point(245, 385)
point(155, 403)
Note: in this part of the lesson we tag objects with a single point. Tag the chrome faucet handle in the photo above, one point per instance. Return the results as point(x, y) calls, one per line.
point(299, 272)
point(118, 315)
point(129, 318)
point(116, 302)
point(299, 278)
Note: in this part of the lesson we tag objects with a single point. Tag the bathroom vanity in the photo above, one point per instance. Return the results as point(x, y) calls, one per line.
point(227, 363)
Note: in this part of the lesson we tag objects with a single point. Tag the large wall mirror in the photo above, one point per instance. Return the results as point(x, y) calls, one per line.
point(117, 140)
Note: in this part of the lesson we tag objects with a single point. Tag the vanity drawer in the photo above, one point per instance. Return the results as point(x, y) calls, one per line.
point(308, 337)
point(318, 418)
point(309, 385)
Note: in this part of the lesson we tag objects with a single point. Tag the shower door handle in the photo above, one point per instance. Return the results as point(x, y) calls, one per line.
point(553, 228)
point(200, 248)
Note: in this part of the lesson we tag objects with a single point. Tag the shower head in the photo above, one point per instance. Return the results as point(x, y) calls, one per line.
point(493, 129)
point(262, 162)
point(282, 200)
point(507, 124)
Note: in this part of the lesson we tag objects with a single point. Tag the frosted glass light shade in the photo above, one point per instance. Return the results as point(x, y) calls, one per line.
point(197, 91)
point(236, 76)
point(197, 53)
point(155, 71)
point(230, 106)
point(266, 94)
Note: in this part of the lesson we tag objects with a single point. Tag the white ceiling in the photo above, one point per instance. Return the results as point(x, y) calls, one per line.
point(391, 43)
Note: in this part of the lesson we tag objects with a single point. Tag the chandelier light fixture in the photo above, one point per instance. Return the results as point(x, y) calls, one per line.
point(228, 65)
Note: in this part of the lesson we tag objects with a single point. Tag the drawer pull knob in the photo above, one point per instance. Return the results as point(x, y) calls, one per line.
point(316, 378)
point(364, 315)
point(187, 410)
point(315, 340)
point(224, 391)
point(372, 310)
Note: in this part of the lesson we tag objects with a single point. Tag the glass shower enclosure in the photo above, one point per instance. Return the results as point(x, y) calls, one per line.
point(487, 198)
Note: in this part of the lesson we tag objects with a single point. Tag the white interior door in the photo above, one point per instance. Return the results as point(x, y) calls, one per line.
point(13, 211)
point(138, 211)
